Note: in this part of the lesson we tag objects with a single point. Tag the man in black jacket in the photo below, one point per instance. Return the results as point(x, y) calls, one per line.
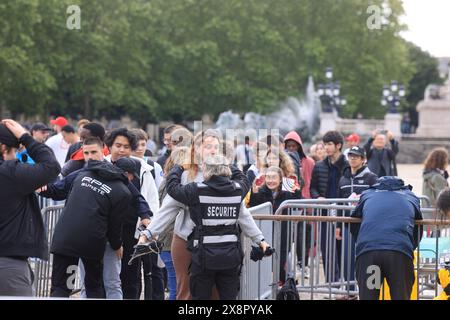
point(324, 184)
point(85, 226)
point(74, 159)
point(380, 158)
point(92, 150)
point(356, 179)
point(22, 232)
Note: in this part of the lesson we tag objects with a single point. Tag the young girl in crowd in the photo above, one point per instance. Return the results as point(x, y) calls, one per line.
point(317, 151)
point(279, 158)
point(271, 191)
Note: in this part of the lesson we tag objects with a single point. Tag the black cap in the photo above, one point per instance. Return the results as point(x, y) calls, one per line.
point(357, 150)
point(127, 164)
point(7, 138)
point(39, 126)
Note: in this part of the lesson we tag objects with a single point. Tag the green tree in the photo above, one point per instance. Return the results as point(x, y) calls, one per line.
point(159, 59)
point(25, 79)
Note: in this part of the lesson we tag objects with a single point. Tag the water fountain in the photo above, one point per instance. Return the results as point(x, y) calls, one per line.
point(293, 114)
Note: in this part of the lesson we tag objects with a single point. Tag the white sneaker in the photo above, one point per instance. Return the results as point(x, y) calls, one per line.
point(306, 272)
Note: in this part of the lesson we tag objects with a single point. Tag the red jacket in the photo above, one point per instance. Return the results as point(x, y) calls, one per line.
point(307, 163)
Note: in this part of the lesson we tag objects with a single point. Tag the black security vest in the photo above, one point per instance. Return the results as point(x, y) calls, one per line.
point(215, 241)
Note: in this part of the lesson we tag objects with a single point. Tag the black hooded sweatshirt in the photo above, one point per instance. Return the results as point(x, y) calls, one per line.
point(93, 213)
point(22, 231)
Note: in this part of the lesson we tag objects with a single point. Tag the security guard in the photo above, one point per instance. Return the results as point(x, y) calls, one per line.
point(217, 209)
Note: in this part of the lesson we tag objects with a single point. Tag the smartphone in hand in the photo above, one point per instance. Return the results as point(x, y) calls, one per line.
point(259, 181)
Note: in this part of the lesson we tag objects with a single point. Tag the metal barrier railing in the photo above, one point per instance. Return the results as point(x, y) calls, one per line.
point(332, 275)
point(425, 201)
point(335, 273)
point(47, 202)
point(43, 269)
point(252, 285)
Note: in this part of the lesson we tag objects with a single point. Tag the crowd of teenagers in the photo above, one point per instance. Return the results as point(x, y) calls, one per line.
point(193, 198)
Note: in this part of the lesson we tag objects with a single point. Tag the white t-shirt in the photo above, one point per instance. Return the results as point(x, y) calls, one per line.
point(59, 147)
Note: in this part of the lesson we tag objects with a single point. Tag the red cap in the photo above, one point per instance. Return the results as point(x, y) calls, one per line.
point(353, 137)
point(60, 121)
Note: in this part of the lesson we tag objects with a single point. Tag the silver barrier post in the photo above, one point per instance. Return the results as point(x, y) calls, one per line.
point(253, 274)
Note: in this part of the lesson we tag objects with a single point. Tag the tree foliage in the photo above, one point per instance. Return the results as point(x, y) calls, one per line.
point(159, 59)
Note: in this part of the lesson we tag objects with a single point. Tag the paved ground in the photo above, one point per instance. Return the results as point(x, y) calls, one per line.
point(411, 174)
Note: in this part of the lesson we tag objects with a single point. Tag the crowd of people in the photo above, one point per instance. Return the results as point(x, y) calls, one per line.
point(194, 198)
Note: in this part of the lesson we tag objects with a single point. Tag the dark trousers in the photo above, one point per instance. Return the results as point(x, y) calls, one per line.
point(348, 247)
point(396, 267)
point(303, 228)
point(16, 277)
point(65, 267)
point(129, 274)
point(153, 278)
point(329, 252)
point(202, 281)
point(284, 249)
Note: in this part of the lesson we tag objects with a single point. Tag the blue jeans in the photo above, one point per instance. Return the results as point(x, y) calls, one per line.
point(166, 256)
point(111, 275)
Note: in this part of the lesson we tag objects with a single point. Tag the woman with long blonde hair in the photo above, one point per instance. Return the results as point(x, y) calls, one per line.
point(206, 143)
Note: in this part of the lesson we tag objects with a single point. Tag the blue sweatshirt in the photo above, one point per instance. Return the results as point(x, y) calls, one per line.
point(388, 211)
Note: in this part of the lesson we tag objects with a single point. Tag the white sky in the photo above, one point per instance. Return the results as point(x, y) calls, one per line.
point(429, 25)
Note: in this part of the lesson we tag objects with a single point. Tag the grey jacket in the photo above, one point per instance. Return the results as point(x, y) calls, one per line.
point(433, 182)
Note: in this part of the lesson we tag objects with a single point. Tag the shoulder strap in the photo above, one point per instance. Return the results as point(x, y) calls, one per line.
point(152, 163)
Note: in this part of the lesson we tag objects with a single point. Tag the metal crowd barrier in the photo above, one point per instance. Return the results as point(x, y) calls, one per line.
point(330, 263)
point(43, 269)
point(328, 271)
point(47, 202)
point(425, 201)
point(252, 284)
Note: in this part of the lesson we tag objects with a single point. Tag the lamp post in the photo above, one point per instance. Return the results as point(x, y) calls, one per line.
point(329, 93)
point(392, 95)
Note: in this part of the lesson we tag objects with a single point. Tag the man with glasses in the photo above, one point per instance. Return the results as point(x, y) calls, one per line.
point(354, 181)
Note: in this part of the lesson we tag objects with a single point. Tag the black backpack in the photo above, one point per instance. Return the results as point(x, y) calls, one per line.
point(288, 291)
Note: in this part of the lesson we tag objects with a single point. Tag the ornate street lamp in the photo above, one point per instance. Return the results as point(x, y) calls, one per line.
point(392, 95)
point(329, 93)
